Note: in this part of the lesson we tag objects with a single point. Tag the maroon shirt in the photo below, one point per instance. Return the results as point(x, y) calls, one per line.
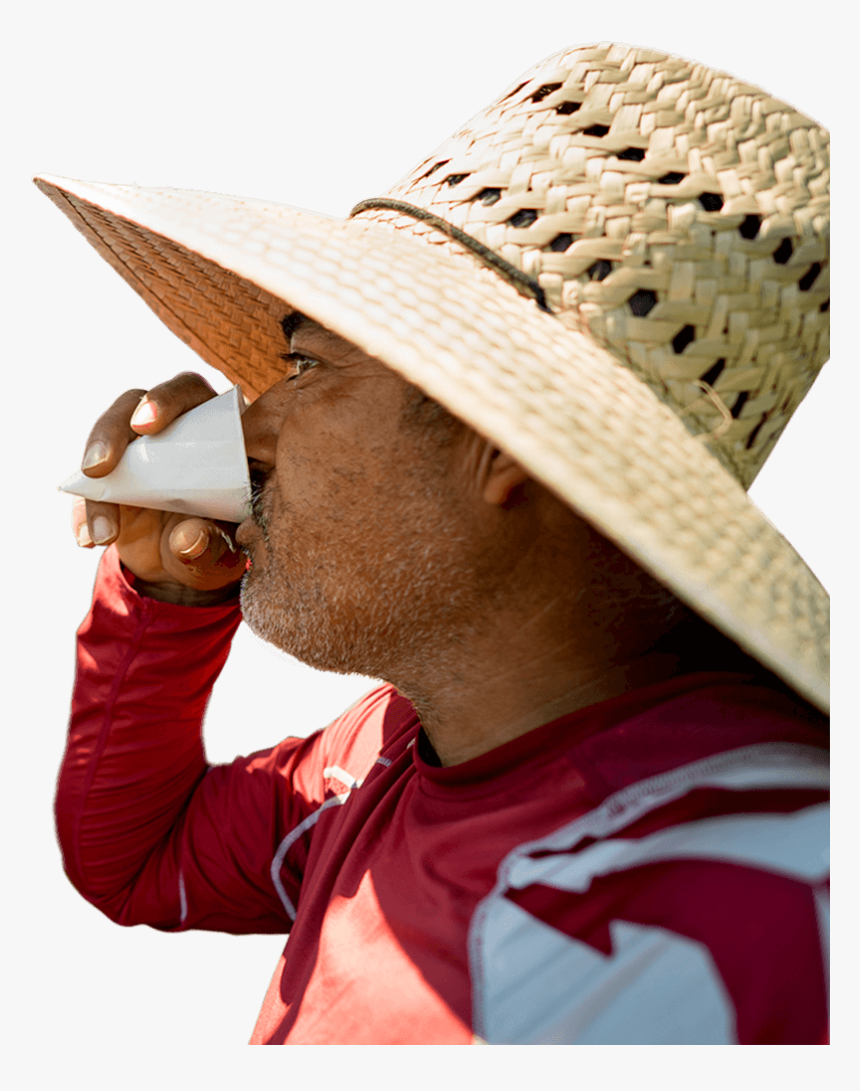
point(649, 869)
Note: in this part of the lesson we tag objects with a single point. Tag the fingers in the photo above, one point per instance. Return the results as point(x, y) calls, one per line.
point(94, 523)
point(163, 548)
point(162, 404)
point(110, 436)
point(204, 554)
point(102, 521)
point(79, 524)
point(158, 547)
point(140, 412)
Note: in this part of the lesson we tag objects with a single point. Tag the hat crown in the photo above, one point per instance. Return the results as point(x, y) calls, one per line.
point(677, 214)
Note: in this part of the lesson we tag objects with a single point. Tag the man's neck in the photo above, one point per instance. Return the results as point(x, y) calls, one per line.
point(471, 712)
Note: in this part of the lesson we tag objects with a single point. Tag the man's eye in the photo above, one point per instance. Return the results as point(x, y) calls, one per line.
point(299, 364)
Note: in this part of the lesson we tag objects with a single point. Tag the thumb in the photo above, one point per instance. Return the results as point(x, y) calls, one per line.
point(206, 553)
point(190, 539)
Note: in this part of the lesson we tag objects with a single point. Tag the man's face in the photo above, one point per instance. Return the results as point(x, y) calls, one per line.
point(360, 542)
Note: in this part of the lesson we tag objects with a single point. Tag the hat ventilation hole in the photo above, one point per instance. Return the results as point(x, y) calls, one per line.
point(711, 202)
point(825, 306)
point(642, 302)
point(671, 179)
point(783, 252)
point(455, 179)
point(596, 130)
point(683, 338)
point(749, 228)
point(600, 270)
point(809, 277)
point(561, 242)
point(739, 403)
point(546, 89)
point(568, 107)
point(434, 168)
point(515, 91)
point(633, 155)
point(713, 373)
point(488, 196)
point(753, 436)
point(523, 218)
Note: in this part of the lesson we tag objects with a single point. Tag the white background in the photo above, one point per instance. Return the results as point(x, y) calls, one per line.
point(317, 105)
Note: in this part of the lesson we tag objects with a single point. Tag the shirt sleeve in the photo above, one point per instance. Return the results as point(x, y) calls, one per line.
point(150, 833)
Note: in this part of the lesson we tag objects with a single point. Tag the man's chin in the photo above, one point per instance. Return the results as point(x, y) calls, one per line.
point(307, 640)
point(257, 612)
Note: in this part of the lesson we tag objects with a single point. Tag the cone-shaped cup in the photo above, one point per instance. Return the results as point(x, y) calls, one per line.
point(196, 466)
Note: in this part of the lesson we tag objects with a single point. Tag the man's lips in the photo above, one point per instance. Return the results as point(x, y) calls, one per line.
point(247, 532)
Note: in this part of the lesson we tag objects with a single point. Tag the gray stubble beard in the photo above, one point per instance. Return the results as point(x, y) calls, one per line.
point(409, 618)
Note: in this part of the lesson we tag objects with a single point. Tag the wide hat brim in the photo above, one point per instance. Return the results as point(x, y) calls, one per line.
point(216, 268)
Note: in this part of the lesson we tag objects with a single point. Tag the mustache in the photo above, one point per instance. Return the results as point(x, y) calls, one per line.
point(258, 484)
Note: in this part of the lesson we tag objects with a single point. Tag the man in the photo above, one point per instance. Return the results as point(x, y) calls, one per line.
point(500, 427)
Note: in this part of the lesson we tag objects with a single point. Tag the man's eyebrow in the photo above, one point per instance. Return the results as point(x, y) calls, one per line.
point(291, 322)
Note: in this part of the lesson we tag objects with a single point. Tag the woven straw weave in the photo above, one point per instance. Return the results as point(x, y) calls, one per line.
point(221, 272)
point(677, 214)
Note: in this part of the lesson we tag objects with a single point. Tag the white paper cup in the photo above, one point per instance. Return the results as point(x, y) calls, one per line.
point(196, 466)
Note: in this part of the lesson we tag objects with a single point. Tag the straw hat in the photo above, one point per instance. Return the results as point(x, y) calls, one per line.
point(618, 271)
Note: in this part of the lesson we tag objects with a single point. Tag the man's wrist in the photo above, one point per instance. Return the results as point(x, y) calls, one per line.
point(178, 595)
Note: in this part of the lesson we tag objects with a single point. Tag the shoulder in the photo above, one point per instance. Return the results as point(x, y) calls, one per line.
point(691, 718)
point(688, 908)
point(374, 729)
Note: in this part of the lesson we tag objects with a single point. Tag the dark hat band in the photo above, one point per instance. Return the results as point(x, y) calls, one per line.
point(523, 283)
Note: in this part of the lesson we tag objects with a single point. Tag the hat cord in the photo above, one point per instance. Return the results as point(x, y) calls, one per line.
point(529, 287)
point(523, 283)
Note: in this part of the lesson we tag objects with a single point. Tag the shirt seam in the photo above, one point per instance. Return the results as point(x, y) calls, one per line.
point(107, 721)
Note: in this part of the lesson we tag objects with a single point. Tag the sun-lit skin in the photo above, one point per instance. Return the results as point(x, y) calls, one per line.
point(376, 549)
point(349, 548)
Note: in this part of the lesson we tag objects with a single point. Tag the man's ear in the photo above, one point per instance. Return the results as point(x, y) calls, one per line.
point(501, 476)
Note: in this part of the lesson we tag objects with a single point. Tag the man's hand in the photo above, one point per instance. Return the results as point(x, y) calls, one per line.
point(176, 558)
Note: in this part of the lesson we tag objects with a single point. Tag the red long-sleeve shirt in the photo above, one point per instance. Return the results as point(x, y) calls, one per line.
point(650, 869)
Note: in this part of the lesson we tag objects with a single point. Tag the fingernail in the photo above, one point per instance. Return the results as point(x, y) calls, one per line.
point(96, 452)
point(83, 536)
point(145, 413)
point(103, 529)
point(197, 547)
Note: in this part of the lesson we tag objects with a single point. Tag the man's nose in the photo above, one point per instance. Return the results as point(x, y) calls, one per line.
point(260, 432)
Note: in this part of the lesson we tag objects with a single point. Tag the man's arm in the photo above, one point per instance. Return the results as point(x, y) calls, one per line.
point(150, 833)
